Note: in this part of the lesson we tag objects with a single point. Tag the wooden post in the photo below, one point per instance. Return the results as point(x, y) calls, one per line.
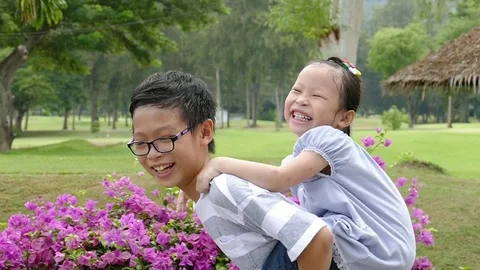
point(449, 121)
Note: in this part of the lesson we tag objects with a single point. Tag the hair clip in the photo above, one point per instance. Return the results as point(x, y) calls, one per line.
point(351, 68)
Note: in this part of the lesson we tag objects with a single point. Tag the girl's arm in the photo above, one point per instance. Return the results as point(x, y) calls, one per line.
point(273, 178)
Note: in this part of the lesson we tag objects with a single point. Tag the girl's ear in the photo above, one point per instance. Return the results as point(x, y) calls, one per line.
point(347, 119)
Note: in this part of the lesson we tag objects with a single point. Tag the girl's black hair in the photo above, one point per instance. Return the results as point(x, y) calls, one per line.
point(350, 87)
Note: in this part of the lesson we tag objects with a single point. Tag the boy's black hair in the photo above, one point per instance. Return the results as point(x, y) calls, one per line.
point(176, 89)
point(350, 87)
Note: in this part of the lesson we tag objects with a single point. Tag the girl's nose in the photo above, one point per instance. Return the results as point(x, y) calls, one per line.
point(302, 101)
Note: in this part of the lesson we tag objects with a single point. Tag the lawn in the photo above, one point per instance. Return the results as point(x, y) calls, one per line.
point(48, 162)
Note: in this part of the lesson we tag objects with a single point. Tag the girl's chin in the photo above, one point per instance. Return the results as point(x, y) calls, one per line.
point(299, 131)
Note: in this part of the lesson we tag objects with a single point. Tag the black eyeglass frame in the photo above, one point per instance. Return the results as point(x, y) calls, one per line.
point(152, 143)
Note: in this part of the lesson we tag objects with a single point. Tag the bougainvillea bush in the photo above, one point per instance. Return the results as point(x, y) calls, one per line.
point(410, 188)
point(129, 232)
point(132, 231)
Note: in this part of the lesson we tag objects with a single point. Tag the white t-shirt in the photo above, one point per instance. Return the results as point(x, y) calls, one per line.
point(246, 222)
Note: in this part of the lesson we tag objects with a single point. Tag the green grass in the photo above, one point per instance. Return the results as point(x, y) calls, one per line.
point(48, 162)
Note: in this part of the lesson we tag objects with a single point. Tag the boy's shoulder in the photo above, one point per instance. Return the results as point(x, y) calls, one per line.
point(227, 189)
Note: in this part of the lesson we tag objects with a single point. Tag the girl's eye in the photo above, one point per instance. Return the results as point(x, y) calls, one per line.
point(318, 96)
point(296, 90)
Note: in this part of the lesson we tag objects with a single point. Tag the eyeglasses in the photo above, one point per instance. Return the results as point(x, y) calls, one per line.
point(162, 145)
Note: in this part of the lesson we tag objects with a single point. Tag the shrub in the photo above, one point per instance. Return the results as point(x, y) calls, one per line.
point(393, 118)
point(95, 126)
point(420, 220)
point(130, 231)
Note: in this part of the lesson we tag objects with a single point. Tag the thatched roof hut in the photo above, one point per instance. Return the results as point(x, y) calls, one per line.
point(456, 64)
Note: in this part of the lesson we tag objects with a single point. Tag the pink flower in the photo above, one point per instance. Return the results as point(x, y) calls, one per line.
point(59, 257)
point(401, 181)
point(417, 213)
point(232, 266)
point(90, 205)
point(294, 199)
point(417, 226)
point(380, 162)
point(387, 142)
point(379, 130)
point(424, 220)
point(31, 206)
point(368, 141)
point(426, 237)
point(422, 263)
point(141, 174)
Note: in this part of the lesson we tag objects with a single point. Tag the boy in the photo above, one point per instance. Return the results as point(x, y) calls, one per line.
point(173, 126)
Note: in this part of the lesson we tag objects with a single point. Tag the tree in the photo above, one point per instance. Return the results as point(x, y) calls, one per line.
point(69, 90)
point(58, 31)
point(334, 24)
point(30, 89)
point(395, 48)
point(466, 16)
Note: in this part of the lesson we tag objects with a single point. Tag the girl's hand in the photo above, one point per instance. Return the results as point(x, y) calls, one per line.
point(182, 202)
point(208, 172)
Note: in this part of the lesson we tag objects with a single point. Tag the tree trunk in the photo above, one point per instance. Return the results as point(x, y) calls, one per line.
point(25, 127)
point(347, 15)
point(247, 97)
point(73, 118)
point(18, 121)
point(450, 112)
point(228, 120)
point(65, 119)
point(115, 116)
point(411, 110)
point(95, 87)
point(219, 95)
point(93, 101)
point(278, 123)
point(8, 68)
point(254, 105)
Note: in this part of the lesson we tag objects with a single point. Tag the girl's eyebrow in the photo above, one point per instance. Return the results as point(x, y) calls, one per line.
point(298, 84)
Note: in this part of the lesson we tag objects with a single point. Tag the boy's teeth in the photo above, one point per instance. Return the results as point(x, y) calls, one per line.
point(163, 167)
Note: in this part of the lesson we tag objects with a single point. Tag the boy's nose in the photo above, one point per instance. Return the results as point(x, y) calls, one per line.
point(154, 154)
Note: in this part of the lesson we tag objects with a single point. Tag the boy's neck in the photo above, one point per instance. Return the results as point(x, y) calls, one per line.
point(190, 188)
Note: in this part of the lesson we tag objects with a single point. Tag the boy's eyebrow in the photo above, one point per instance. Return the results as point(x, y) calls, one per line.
point(166, 128)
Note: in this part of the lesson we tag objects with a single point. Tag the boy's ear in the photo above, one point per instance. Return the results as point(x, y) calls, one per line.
point(347, 119)
point(207, 131)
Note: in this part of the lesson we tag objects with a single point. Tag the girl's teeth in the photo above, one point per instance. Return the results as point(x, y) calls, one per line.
point(300, 116)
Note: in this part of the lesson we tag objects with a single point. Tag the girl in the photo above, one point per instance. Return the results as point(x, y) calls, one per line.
point(331, 175)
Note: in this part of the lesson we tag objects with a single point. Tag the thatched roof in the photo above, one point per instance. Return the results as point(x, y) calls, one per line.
point(457, 63)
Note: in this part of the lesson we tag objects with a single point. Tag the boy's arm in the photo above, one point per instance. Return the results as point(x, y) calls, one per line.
point(273, 178)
